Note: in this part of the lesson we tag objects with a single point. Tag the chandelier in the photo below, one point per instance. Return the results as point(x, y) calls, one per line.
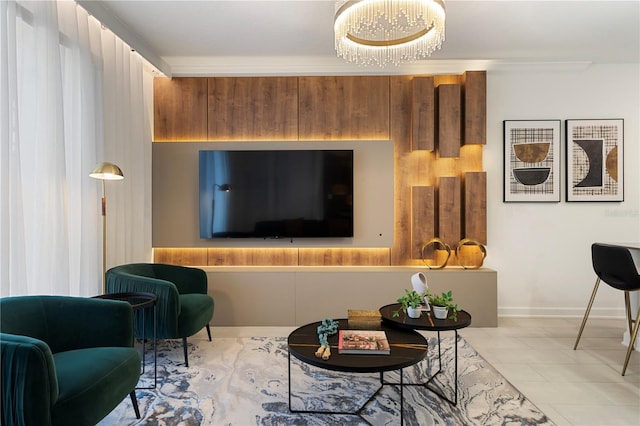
point(388, 31)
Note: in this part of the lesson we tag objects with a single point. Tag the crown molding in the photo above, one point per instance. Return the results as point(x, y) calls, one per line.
point(107, 18)
point(305, 66)
point(239, 66)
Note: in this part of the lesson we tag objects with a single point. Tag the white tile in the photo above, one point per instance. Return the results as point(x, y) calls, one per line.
point(553, 415)
point(536, 355)
point(559, 393)
point(624, 393)
point(577, 373)
point(519, 372)
point(597, 414)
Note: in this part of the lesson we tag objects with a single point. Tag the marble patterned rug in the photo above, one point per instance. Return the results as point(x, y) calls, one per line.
point(244, 381)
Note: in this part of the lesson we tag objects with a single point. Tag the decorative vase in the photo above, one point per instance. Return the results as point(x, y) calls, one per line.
point(413, 312)
point(419, 283)
point(440, 312)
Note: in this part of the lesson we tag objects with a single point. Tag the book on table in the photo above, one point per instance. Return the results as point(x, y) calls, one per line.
point(363, 342)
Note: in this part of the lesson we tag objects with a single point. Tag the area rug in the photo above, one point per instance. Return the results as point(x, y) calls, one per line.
point(244, 381)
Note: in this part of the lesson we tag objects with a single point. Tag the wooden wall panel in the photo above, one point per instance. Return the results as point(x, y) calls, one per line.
point(256, 108)
point(353, 107)
point(423, 114)
point(423, 210)
point(344, 108)
point(449, 210)
point(405, 167)
point(180, 109)
point(446, 79)
point(449, 120)
point(475, 206)
point(344, 257)
point(181, 256)
point(475, 107)
point(252, 256)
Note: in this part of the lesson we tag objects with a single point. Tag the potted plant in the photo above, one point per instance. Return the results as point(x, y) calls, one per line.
point(443, 303)
point(410, 303)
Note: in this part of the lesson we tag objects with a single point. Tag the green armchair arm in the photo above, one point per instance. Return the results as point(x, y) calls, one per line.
point(28, 380)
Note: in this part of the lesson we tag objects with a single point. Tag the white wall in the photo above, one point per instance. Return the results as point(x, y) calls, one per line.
point(542, 250)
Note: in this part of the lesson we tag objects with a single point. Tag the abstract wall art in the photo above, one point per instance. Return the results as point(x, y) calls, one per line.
point(532, 160)
point(595, 160)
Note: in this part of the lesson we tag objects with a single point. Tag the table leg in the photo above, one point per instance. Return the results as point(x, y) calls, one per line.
point(289, 375)
point(155, 346)
point(144, 339)
point(401, 397)
point(401, 384)
point(352, 413)
point(438, 392)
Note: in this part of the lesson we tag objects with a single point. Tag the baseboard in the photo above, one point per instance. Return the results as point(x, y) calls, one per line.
point(553, 312)
point(625, 341)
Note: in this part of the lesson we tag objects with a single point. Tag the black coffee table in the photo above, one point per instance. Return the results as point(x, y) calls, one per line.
point(408, 347)
point(141, 301)
point(427, 321)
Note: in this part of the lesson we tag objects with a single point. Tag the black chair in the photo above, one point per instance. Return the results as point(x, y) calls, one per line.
point(614, 265)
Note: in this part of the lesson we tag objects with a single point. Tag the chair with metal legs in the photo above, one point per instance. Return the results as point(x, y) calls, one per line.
point(183, 304)
point(615, 266)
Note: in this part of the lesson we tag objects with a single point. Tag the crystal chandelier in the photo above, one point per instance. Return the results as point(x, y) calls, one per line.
point(388, 31)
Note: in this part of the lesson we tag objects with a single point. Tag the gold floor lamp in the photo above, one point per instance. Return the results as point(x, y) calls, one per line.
point(105, 171)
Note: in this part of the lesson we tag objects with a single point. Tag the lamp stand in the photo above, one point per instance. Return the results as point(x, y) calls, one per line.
point(105, 171)
point(104, 240)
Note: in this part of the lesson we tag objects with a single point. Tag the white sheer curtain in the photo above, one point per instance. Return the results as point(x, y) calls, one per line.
point(71, 95)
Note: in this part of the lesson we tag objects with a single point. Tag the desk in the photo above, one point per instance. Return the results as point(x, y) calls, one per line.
point(141, 302)
point(423, 323)
point(408, 347)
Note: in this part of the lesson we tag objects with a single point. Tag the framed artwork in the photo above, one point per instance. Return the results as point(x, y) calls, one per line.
point(595, 160)
point(532, 152)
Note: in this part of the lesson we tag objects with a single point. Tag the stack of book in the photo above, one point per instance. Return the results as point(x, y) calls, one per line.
point(363, 342)
point(362, 319)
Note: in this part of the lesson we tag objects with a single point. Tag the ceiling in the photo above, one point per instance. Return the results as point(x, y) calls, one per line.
point(262, 37)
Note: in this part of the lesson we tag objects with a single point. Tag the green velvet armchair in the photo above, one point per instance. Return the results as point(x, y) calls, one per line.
point(65, 360)
point(183, 305)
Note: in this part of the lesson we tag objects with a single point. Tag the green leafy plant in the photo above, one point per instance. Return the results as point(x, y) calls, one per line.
point(410, 299)
point(445, 300)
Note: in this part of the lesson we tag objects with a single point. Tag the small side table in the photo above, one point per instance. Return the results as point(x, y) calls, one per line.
point(427, 321)
point(141, 301)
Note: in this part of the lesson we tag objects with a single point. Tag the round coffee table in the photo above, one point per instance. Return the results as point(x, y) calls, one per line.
point(427, 321)
point(408, 347)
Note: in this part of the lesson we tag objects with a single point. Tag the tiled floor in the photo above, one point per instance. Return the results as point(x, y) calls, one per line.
point(582, 387)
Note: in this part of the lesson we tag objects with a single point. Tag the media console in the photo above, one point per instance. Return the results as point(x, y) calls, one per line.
point(288, 296)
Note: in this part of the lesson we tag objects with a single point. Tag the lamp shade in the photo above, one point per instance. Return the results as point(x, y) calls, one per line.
point(107, 171)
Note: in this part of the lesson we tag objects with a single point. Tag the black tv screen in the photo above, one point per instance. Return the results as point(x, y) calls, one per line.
point(276, 194)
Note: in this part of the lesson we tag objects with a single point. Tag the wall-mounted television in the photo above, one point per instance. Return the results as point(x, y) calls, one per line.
point(276, 193)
